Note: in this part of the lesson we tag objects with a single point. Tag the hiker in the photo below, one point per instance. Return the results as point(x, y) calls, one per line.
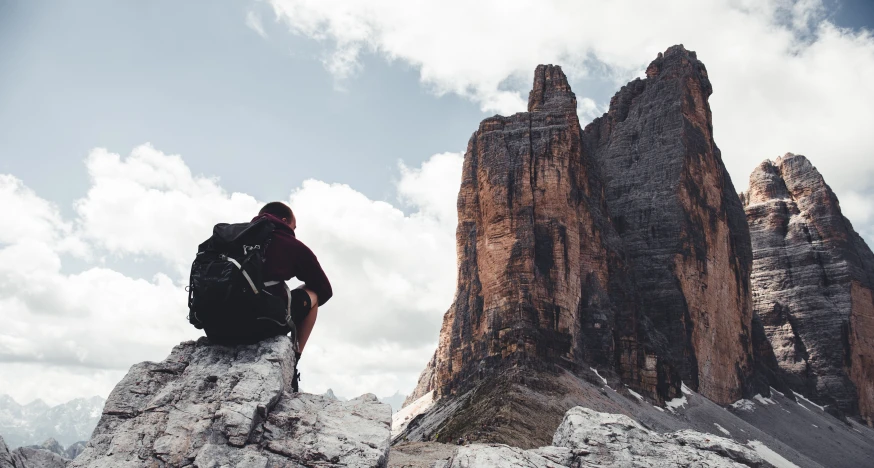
point(287, 257)
point(238, 293)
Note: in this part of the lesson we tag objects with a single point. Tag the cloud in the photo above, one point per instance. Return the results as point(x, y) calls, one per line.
point(393, 273)
point(785, 78)
point(253, 21)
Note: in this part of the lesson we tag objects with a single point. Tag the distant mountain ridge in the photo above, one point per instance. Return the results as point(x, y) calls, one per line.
point(35, 422)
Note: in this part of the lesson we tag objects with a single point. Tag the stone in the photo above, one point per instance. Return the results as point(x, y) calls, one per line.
point(812, 279)
point(74, 450)
point(683, 228)
point(621, 249)
point(591, 438)
point(5, 455)
point(27, 457)
point(216, 406)
point(51, 445)
point(542, 278)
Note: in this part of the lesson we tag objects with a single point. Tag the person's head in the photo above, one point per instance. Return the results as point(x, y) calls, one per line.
point(281, 211)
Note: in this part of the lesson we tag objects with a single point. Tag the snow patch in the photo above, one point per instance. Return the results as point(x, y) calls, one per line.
point(809, 402)
point(814, 425)
point(775, 391)
point(722, 429)
point(406, 414)
point(764, 401)
point(686, 390)
point(743, 405)
point(635, 394)
point(770, 456)
point(656, 407)
point(676, 403)
point(599, 376)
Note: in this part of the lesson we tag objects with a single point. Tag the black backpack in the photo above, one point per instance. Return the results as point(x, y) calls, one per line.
point(226, 292)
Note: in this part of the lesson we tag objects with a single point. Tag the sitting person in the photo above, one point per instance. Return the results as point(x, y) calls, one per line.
point(287, 257)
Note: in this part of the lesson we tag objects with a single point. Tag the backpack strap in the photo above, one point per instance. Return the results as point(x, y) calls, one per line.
point(287, 293)
point(243, 270)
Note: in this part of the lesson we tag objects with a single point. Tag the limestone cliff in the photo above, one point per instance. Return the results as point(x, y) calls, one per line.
point(682, 226)
point(622, 246)
point(812, 279)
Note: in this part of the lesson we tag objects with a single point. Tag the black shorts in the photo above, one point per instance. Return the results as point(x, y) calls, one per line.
point(300, 305)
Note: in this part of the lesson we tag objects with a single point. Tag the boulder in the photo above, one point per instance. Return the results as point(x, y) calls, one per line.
point(590, 438)
point(214, 406)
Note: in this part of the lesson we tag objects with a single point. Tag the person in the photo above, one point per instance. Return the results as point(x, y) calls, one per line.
point(287, 257)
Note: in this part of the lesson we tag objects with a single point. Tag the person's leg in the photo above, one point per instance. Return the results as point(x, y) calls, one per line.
point(306, 325)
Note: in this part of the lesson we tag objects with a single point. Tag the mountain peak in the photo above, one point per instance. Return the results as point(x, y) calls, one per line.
point(551, 91)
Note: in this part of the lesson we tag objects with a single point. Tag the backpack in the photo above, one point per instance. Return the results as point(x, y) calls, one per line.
point(226, 292)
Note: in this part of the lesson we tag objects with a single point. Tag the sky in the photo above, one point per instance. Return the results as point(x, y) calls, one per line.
point(127, 129)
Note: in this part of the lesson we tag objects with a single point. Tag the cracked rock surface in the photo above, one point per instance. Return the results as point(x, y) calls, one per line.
point(222, 406)
point(29, 457)
point(590, 438)
point(813, 283)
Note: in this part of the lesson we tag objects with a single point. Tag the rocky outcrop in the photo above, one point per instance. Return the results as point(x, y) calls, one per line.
point(541, 276)
point(682, 226)
point(211, 406)
point(28, 457)
point(812, 278)
point(53, 446)
point(590, 438)
point(621, 247)
point(74, 450)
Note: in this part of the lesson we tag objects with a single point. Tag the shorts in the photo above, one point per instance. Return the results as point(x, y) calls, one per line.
point(300, 305)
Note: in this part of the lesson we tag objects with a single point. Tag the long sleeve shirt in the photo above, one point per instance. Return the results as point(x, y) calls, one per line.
point(287, 257)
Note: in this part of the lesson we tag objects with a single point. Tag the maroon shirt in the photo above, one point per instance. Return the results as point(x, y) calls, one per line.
point(288, 258)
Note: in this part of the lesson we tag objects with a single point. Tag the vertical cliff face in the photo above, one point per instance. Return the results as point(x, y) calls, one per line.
point(541, 275)
point(622, 246)
point(682, 226)
point(812, 280)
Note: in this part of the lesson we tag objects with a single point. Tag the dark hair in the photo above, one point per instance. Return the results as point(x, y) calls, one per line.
point(278, 209)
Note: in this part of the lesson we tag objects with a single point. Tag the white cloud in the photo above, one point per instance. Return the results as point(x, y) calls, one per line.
point(784, 77)
point(253, 21)
point(393, 274)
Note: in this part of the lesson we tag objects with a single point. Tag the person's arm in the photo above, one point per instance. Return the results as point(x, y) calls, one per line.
point(310, 272)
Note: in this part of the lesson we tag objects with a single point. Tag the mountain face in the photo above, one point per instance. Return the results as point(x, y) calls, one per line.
point(622, 246)
point(33, 423)
point(812, 278)
point(682, 226)
point(541, 276)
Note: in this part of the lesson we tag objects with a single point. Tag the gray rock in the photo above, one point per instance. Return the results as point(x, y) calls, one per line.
point(590, 438)
point(75, 449)
point(27, 457)
point(219, 406)
point(51, 445)
point(5, 456)
point(813, 282)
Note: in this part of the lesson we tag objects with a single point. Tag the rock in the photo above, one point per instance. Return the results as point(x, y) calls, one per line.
point(622, 247)
point(74, 450)
point(813, 282)
point(211, 406)
point(682, 226)
point(541, 279)
point(590, 438)
point(27, 457)
point(51, 445)
point(5, 456)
